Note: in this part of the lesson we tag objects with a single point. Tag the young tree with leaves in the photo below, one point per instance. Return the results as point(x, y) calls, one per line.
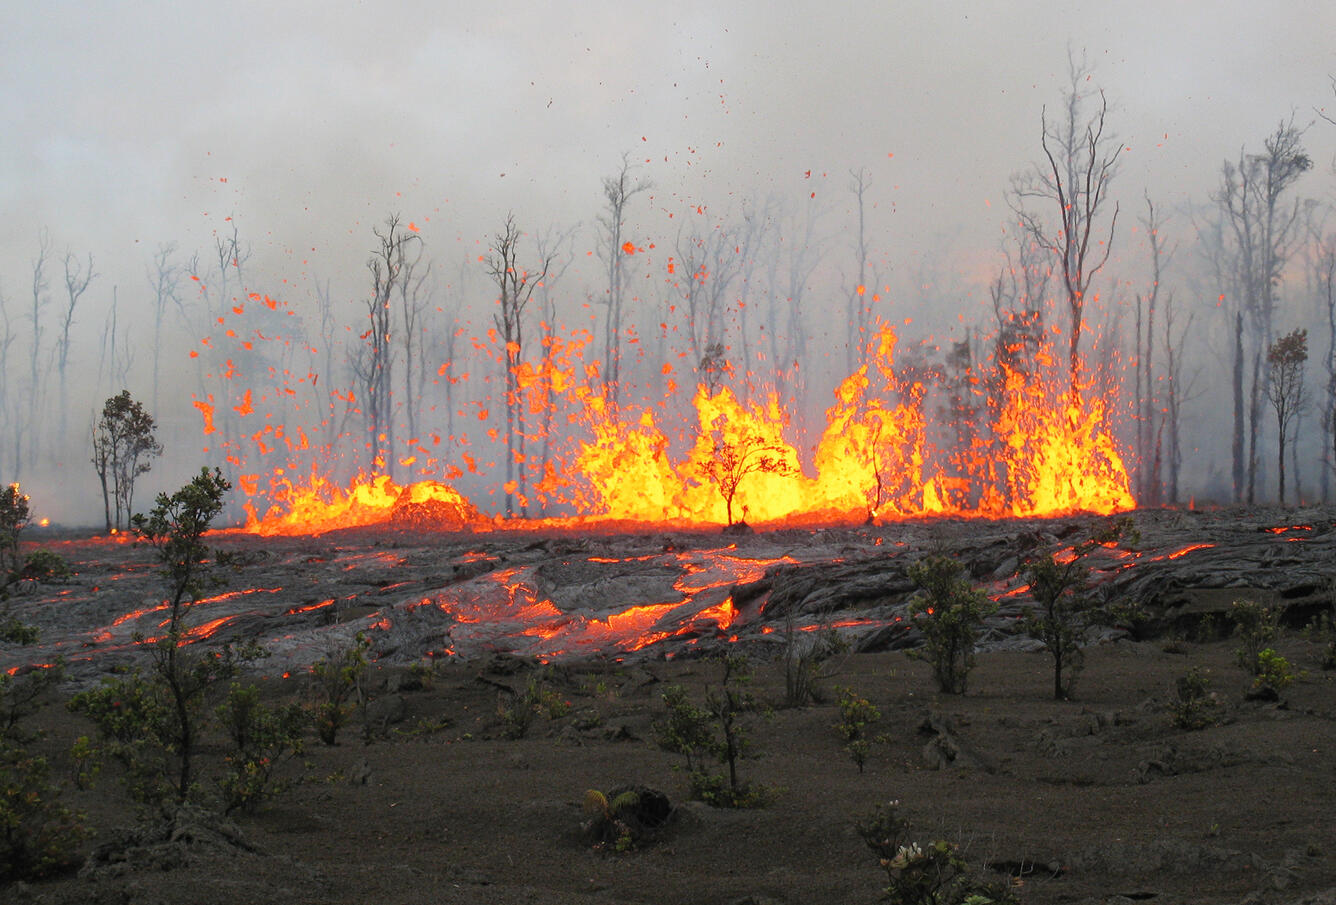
point(1285, 358)
point(123, 449)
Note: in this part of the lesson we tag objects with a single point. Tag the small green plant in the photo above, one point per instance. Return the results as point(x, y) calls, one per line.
point(1194, 705)
point(856, 715)
point(262, 739)
point(518, 711)
point(717, 731)
point(85, 762)
point(1272, 675)
point(949, 610)
point(1256, 627)
point(931, 874)
point(336, 685)
point(625, 817)
point(38, 835)
point(1066, 608)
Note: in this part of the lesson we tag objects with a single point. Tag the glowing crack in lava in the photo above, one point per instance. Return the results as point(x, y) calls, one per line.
point(1047, 450)
point(514, 609)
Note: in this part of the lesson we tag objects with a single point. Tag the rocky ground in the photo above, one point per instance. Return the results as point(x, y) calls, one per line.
point(425, 799)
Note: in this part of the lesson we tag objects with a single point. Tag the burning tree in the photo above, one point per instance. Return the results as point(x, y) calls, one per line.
point(1286, 357)
point(733, 461)
point(123, 447)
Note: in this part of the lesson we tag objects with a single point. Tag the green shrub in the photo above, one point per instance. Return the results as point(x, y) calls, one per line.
point(1194, 705)
point(336, 686)
point(856, 715)
point(718, 731)
point(518, 711)
point(21, 695)
point(1066, 608)
point(949, 611)
point(931, 874)
point(38, 835)
point(262, 739)
point(14, 517)
point(1256, 627)
point(1272, 675)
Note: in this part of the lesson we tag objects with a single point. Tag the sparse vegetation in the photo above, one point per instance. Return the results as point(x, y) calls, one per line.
point(1256, 627)
point(733, 461)
point(337, 687)
point(1272, 675)
point(949, 611)
point(1066, 610)
point(807, 662)
point(857, 714)
point(1194, 706)
point(718, 732)
point(518, 711)
point(38, 834)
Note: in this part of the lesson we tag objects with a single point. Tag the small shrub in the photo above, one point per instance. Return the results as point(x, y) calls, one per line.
point(85, 762)
point(263, 738)
point(931, 874)
point(38, 835)
point(625, 817)
point(1256, 627)
point(949, 611)
point(716, 731)
point(14, 631)
point(1066, 608)
point(133, 723)
point(856, 715)
point(1194, 705)
point(1272, 675)
point(537, 699)
point(336, 682)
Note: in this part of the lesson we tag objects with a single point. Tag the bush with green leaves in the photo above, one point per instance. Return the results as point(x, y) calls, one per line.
point(336, 687)
point(39, 836)
point(949, 610)
point(152, 721)
point(1194, 706)
point(717, 732)
point(1256, 627)
point(1272, 675)
point(1066, 607)
point(625, 817)
point(263, 739)
point(924, 874)
point(857, 714)
point(14, 517)
point(517, 711)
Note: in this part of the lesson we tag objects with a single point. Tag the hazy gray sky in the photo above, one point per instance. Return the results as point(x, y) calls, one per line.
point(124, 118)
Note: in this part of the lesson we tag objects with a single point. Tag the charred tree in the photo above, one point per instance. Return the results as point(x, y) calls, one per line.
point(374, 365)
point(860, 297)
point(515, 286)
point(1080, 161)
point(77, 278)
point(1260, 227)
point(614, 249)
point(163, 277)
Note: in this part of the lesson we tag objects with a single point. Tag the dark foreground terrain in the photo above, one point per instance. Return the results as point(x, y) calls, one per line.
point(1098, 799)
